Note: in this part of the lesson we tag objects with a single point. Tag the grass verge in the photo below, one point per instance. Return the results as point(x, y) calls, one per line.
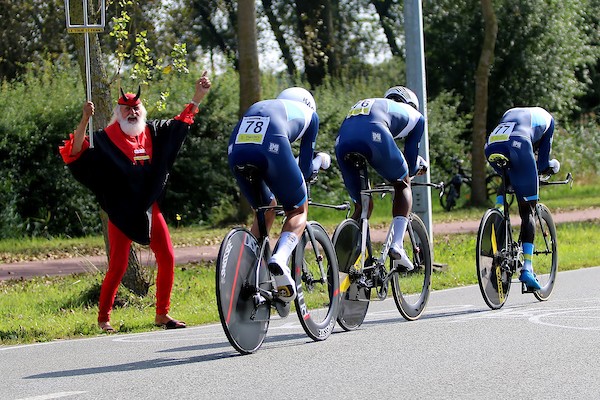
point(44, 309)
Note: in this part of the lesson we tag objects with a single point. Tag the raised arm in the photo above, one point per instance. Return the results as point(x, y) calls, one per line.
point(79, 134)
point(202, 88)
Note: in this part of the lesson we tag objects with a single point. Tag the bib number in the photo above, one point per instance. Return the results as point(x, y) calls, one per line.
point(502, 132)
point(363, 107)
point(252, 130)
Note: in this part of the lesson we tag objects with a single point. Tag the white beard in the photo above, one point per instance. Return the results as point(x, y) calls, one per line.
point(132, 128)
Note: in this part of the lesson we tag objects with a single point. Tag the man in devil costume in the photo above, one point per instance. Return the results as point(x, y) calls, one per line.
point(127, 170)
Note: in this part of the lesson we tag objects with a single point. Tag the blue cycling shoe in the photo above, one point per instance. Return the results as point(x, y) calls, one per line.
point(529, 279)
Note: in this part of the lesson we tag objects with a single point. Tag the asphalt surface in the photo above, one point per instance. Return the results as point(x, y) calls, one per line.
point(183, 255)
point(459, 349)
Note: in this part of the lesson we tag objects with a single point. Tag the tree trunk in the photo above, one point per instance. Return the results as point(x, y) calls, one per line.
point(486, 59)
point(314, 29)
point(283, 46)
point(249, 69)
point(383, 7)
point(103, 112)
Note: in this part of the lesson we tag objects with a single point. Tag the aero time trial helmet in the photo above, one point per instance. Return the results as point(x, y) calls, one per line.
point(299, 94)
point(402, 94)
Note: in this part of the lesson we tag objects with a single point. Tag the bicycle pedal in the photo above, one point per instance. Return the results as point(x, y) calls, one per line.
point(526, 289)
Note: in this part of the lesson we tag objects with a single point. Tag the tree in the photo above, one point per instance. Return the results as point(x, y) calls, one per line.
point(315, 29)
point(30, 31)
point(248, 67)
point(482, 74)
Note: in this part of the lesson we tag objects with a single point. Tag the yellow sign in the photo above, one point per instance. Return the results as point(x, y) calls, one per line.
point(85, 30)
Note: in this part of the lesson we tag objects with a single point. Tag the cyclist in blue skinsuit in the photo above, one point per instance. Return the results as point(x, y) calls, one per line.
point(370, 129)
point(263, 138)
point(521, 133)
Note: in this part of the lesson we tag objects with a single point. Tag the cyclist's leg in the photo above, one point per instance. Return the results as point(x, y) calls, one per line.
point(257, 193)
point(501, 148)
point(285, 179)
point(524, 179)
point(389, 162)
point(346, 144)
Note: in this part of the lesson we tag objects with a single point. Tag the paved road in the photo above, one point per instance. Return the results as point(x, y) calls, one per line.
point(458, 350)
point(195, 254)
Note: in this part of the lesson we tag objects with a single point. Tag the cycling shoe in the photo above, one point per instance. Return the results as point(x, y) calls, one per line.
point(529, 279)
point(286, 287)
point(400, 260)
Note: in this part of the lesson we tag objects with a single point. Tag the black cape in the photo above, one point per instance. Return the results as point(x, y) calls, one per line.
point(126, 191)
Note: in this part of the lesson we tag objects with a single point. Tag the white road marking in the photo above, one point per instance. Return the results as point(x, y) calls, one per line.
point(51, 396)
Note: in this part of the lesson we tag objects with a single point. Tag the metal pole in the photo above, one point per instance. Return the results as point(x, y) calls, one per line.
point(86, 28)
point(88, 76)
point(416, 81)
point(88, 73)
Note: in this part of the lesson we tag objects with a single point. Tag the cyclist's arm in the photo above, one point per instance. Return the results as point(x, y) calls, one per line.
point(307, 146)
point(411, 145)
point(545, 146)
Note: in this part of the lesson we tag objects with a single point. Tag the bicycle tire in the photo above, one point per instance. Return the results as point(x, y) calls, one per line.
point(354, 301)
point(545, 258)
point(493, 276)
point(411, 289)
point(244, 324)
point(317, 302)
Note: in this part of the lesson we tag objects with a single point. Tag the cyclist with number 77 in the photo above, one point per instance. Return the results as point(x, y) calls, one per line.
point(520, 134)
point(263, 138)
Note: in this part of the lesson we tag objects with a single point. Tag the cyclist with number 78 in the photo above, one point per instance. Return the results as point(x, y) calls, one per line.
point(263, 138)
point(520, 134)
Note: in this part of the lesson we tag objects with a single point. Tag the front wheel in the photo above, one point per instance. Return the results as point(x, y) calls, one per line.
point(411, 289)
point(493, 272)
point(244, 318)
point(318, 282)
point(545, 255)
point(355, 299)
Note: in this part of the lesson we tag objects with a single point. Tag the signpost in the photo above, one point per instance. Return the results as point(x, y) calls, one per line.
point(86, 28)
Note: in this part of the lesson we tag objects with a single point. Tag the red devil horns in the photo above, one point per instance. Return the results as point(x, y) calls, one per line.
point(130, 99)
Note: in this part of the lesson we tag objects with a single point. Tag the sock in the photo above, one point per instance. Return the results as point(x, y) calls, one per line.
point(499, 202)
point(399, 223)
point(528, 256)
point(285, 245)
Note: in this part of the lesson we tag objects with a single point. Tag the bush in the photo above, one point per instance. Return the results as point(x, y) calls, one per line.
point(38, 196)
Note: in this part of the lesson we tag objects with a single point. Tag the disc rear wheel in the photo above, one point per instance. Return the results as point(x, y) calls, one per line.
point(354, 300)
point(244, 317)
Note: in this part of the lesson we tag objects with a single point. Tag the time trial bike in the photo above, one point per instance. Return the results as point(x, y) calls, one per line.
point(246, 291)
point(499, 256)
point(361, 272)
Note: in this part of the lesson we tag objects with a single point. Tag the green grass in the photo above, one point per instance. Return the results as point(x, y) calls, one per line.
point(49, 308)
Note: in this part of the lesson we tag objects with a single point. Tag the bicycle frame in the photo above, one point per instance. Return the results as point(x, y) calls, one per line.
point(366, 249)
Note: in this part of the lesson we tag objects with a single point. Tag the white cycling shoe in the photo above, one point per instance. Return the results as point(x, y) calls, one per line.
point(286, 286)
point(400, 260)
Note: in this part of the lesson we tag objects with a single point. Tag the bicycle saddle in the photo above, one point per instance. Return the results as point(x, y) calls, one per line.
point(249, 171)
point(357, 159)
point(499, 159)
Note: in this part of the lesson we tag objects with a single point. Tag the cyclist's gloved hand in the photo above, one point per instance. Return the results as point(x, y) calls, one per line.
point(322, 160)
point(422, 166)
point(554, 165)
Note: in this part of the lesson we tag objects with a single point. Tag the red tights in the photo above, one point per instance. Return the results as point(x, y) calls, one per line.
point(160, 244)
